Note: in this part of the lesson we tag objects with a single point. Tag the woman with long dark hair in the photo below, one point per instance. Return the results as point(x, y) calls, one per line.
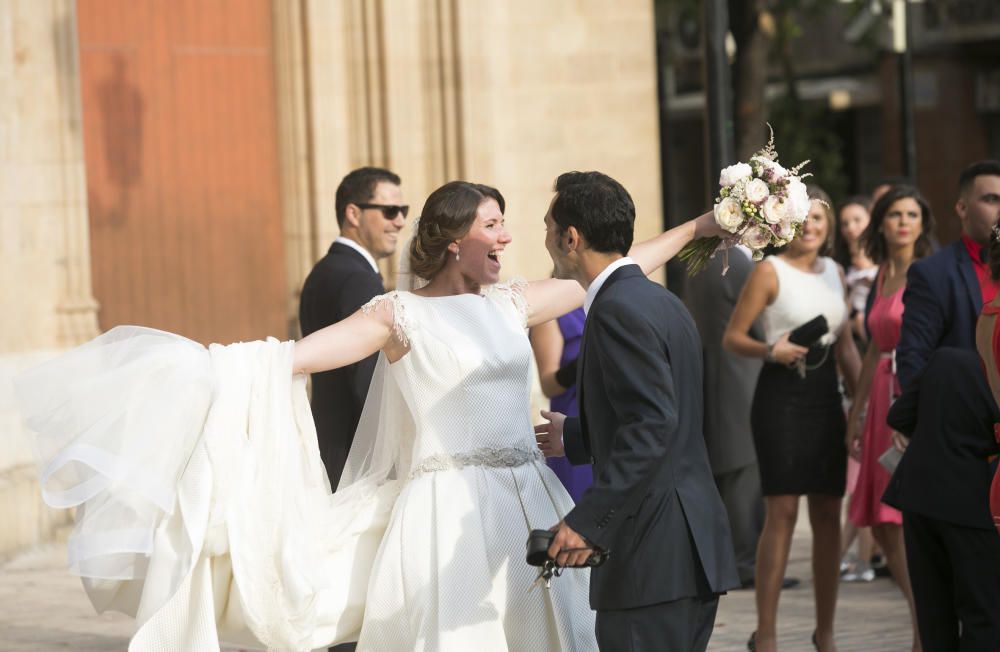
point(898, 234)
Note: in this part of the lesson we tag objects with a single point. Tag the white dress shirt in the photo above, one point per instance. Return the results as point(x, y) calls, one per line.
point(595, 287)
point(361, 250)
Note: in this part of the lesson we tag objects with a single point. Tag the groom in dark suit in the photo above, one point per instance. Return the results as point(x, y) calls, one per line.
point(653, 505)
point(370, 214)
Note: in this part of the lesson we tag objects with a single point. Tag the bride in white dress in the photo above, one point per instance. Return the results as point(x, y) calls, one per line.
point(203, 507)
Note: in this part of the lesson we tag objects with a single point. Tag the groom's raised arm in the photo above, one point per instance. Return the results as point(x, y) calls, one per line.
point(639, 386)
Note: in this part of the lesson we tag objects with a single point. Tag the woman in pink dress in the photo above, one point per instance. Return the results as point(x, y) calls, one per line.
point(897, 235)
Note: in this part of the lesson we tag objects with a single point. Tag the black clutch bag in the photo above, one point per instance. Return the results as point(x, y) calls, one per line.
point(809, 333)
point(538, 545)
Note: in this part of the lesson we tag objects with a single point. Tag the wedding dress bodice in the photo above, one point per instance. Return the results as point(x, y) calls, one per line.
point(466, 379)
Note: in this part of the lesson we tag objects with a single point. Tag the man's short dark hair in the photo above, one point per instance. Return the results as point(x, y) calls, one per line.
point(599, 207)
point(979, 169)
point(358, 187)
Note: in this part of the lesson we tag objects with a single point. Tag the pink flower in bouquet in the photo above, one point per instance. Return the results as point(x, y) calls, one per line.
point(784, 231)
point(770, 169)
point(757, 237)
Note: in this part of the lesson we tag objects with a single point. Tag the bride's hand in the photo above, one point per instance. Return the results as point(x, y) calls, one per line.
point(705, 226)
point(548, 436)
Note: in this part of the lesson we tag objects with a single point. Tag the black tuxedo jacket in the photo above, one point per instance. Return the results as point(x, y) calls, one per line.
point(653, 503)
point(339, 284)
point(941, 303)
point(948, 412)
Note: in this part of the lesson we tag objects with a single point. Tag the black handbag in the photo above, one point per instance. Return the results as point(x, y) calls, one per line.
point(810, 332)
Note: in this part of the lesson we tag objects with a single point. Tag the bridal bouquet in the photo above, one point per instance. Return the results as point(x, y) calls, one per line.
point(760, 204)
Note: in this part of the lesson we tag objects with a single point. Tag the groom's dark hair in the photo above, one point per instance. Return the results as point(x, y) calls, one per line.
point(599, 207)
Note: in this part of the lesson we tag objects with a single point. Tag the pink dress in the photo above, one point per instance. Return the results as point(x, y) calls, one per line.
point(884, 323)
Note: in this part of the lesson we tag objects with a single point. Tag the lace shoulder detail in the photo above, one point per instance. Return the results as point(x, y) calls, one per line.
point(403, 323)
point(513, 292)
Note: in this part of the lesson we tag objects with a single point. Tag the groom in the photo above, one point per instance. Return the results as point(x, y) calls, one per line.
point(653, 505)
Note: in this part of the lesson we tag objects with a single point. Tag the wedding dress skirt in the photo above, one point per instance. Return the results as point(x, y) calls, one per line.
point(204, 510)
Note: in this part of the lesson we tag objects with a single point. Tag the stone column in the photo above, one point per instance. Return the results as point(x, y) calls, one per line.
point(46, 301)
point(77, 307)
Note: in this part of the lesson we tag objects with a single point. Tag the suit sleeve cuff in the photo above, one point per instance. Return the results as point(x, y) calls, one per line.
point(576, 451)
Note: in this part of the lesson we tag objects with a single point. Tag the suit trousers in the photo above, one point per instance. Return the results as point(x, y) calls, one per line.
point(741, 494)
point(955, 573)
point(684, 624)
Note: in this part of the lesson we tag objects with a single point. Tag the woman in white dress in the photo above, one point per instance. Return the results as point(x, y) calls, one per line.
point(204, 509)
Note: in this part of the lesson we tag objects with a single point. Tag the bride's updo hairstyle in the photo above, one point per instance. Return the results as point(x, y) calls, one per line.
point(447, 216)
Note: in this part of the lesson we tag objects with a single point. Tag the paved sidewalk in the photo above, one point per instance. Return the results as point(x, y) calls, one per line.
point(42, 607)
point(870, 616)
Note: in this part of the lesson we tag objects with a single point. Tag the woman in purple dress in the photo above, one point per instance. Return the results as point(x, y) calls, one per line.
point(556, 345)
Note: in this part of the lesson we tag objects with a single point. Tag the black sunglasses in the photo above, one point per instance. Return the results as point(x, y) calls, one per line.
point(389, 211)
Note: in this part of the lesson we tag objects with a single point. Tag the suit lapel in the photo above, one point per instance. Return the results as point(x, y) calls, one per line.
point(626, 271)
point(968, 274)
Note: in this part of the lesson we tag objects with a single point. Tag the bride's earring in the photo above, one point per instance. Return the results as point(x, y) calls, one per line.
point(457, 256)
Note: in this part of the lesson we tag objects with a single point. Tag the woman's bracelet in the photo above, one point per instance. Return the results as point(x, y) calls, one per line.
point(769, 356)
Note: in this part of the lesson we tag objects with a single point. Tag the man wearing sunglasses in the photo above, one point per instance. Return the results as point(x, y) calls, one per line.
point(371, 214)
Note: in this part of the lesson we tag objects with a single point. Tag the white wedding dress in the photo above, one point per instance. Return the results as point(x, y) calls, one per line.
point(204, 509)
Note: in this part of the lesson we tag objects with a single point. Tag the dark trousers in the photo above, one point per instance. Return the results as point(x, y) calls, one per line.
point(741, 494)
point(684, 624)
point(955, 573)
point(344, 647)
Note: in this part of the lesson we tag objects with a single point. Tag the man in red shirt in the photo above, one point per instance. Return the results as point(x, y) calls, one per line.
point(945, 292)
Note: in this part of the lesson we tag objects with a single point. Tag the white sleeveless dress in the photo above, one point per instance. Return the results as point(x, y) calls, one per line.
point(206, 514)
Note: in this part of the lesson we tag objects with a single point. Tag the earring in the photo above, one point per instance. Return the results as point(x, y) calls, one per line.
point(457, 252)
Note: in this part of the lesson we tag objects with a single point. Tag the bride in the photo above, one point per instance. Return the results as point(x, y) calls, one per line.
point(203, 507)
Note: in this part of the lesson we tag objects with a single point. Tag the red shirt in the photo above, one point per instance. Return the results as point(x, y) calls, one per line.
point(987, 286)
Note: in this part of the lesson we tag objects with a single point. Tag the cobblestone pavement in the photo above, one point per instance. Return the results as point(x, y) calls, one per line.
point(42, 607)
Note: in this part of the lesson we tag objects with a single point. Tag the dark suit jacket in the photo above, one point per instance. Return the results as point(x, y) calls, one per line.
point(948, 412)
point(730, 379)
point(653, 503)
point(339, 284)
point(941, 303)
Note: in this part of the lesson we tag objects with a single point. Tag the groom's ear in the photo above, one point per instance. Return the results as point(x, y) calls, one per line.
point(573, 241)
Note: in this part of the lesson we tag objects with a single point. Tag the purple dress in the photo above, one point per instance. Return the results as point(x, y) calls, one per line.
point(576, 479)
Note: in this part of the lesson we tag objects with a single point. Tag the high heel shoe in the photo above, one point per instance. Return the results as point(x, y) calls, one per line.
point(752, 642)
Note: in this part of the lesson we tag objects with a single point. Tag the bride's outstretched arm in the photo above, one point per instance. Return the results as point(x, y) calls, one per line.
point(654, 253)
point(346, 342)
point(551, 298)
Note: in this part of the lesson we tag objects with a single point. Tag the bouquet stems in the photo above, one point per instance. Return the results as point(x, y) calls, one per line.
point(698, 252)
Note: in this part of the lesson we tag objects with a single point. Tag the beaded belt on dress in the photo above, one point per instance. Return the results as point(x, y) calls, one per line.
point(494, 457)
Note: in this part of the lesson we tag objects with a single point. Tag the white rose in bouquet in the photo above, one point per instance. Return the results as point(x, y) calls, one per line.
point(757, 237)
point(734, 174)
point(756, 191)
point(798, 200)
point(729, 214)
point(775, 209)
